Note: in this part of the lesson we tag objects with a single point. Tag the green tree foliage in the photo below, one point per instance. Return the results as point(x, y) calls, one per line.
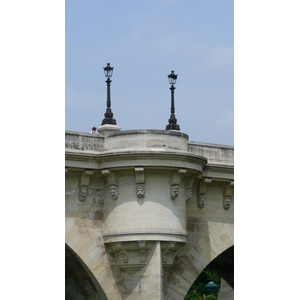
point(195, 292)
point(211, 297)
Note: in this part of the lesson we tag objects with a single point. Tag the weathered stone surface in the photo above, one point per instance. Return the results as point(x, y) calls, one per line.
point(216, 154)
point(151, 245)
point(226, 292)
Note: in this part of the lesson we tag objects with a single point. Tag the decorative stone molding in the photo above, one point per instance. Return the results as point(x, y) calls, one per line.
point(84, 181)
point(169, 247)
point(226, 202)
point(227, 194)
point(169, 252)
point(140, 182)
point(188, 194)
point(122, 250)
point(130, 257)
point(174, 190)
point(114, 191)
point(140, 190)
point(201, 197)
point(189, 188)
point(174, 182)
point(113, 183)
point(142, 245)
point(82, 193)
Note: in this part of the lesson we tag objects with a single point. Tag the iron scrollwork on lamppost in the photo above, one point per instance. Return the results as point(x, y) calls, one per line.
point(172, 121)
point(108, 71)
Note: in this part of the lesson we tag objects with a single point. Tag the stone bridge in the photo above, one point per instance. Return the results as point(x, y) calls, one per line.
point(146, 212)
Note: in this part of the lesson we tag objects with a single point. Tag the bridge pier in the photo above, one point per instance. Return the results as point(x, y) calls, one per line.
point(148, 282)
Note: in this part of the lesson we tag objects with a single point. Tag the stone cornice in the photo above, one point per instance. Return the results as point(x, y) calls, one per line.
point(210, 145)
point(139, 236)
point(220, 172)
point(108, 160)
point(150, 159)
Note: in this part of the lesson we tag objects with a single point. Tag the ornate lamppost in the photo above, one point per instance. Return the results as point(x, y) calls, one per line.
point(172, 121)
point(108, 71)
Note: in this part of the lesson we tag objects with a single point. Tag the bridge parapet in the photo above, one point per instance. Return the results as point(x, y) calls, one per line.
point(79, 141)
point(215, 153)
point(148, 139)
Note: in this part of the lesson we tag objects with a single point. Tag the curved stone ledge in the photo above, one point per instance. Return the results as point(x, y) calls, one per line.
point(150, 159)
point(131, 159)
point(128, 236)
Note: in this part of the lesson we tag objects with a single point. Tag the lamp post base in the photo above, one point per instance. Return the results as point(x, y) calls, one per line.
point(172, 124)
point(109, 117)
point(103, 129)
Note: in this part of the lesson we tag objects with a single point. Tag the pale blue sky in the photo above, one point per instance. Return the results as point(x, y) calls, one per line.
point(144, 41)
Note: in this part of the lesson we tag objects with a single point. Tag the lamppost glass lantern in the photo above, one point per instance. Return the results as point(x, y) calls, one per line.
point(108, 70)
point(172, 78)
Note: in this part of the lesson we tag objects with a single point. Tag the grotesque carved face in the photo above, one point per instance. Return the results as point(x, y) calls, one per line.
point(140, 190)
point(114, 191)
point(201, 201)
point(188, 194)
point(82, 193)
point(174, 190)
point(226, 202)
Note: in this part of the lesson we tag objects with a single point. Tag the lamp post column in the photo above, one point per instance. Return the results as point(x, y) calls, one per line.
point(108, 81)
point(172, 88)
point(108, 70)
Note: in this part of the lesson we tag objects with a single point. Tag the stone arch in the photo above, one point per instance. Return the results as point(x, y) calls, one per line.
point(223, 265)
point(205, 244)
point(80, 284)
point(83, 237)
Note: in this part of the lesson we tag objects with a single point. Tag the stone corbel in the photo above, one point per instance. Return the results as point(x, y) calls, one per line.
point(113, 183)
point(140, 182)
point(121, 249)
point(142, 245)
point(84, 181)
point(227, 194)
point(170, 247)
point(174, 182)
point(189, 188)
point(201, 195)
